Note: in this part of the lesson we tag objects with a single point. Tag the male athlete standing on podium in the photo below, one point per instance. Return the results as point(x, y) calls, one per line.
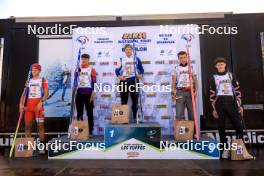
point(181, 86)
point(126, 73)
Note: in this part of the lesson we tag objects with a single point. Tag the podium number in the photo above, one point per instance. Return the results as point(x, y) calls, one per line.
point(239, 150)
point(118, 112)
point(111, 133)
point(182, 130)
point(20, 147)
point(75, 130)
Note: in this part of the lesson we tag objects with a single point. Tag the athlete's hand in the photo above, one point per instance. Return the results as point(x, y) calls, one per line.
point(39, 106)
point(92, 97)
point(173, 94)
point(195, 94)
point(241, 110)
point(122, 78)
point(21, 108)
point(215, 114)
point(139, 76)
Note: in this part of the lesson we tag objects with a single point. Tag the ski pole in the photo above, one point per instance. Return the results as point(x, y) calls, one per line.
point(75, 82)
point(249, 139)
point(192, 93)
point(139, 102)
point(25, 92)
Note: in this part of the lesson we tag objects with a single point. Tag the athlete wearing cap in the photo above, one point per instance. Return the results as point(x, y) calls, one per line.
point(37, 94)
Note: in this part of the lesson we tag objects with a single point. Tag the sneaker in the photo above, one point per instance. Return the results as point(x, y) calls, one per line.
point(225, 154)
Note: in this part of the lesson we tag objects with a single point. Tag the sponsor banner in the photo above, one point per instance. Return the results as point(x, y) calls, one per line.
point(255, 136)
point(55, 56)
point(148, 132)
point(135, 149)
point(157, 50)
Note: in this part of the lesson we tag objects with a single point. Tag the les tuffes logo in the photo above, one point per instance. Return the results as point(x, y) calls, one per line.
point(135, 35)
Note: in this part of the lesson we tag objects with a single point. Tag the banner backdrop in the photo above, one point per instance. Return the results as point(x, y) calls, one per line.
point(157, 50)
point(55, 56)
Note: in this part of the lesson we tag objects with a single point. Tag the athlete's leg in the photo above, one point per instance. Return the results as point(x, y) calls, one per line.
point(28, 119)
point(89, 109)
point(64, 87)
point(189, 105)
point(180, 104)
point(235, 119)
point(124, 92)
point(221, 122)
point(79, 101)
point(134, 98)
point(40, 123)
point(41, 128)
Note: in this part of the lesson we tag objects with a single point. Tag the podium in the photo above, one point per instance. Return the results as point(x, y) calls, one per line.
point(149, 132)
point(134, 141)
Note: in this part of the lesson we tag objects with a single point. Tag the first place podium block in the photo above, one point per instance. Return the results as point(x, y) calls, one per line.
point(149, 133)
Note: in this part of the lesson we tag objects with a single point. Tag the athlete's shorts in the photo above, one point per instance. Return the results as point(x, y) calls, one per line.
point(32, 113)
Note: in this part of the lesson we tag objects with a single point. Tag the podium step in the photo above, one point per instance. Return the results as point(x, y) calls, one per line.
point(149, 133)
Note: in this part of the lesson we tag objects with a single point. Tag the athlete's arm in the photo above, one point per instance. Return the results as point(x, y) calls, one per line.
point(174, 79)
point(237, 93)
point(117, 71)
point(21, 105)
point(45, 91)
point(93, 75)
point(213, 97)
point(140, 68)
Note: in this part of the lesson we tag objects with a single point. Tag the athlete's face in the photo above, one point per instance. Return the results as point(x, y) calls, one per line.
point(85, 61)
point(35, 72)
point(182, 58)
point(221, 67)
point(128, 51)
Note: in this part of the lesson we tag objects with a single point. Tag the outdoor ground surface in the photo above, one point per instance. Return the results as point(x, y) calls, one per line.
point(42, 166)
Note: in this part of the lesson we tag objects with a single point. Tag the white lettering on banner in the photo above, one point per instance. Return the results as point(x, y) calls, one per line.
point(251, 136)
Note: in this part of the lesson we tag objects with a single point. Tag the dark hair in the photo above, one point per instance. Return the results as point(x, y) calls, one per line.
point(87, 56)
point(128, 46)
point(219, 60)
point(181, 53)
